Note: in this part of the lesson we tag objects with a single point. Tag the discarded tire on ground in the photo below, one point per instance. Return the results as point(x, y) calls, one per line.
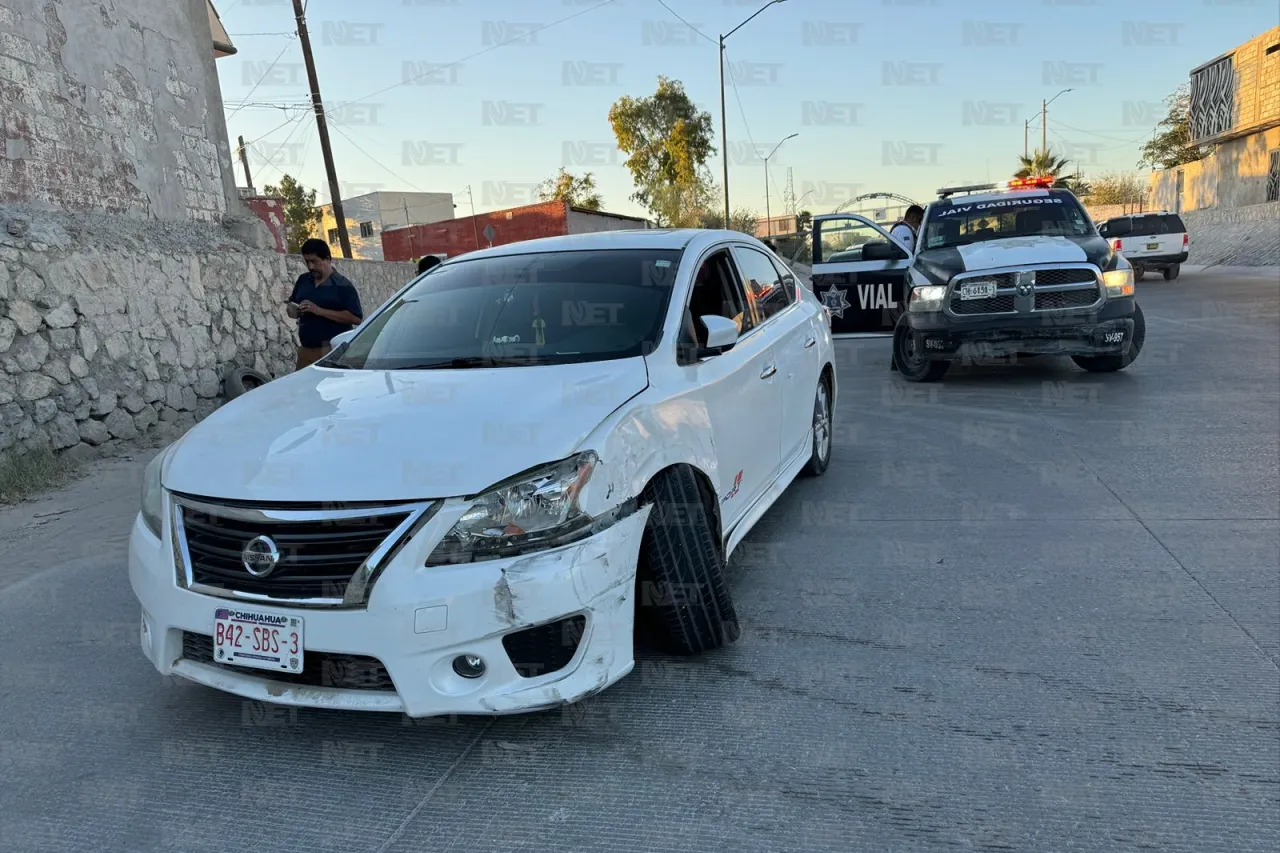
point(683, 602)
point(239, 380)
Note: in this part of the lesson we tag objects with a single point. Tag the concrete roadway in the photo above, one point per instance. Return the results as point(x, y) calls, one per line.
point(1028, 609)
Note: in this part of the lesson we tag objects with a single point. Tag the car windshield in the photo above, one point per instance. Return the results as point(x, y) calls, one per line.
point(516, 310)
point(960, 222)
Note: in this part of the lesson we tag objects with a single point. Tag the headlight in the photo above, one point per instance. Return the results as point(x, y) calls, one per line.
point(927, 298)
point(537, 511)
point(153, 494)
point(1118, 282)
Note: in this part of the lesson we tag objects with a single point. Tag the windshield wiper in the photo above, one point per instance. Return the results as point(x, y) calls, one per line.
point(469, 361)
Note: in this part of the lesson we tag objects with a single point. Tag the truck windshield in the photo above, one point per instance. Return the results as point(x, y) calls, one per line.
point(961, 222)
point(518, 310)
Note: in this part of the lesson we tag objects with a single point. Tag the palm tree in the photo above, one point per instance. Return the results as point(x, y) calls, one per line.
point(1045, 164)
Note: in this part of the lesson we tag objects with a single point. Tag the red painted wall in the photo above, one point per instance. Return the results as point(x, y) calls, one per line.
point(457, 236)
point(271, 211)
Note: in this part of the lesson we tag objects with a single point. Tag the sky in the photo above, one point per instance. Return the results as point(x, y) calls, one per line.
point(900, 96)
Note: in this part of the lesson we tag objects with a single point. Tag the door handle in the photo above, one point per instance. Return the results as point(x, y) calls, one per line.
point(769, 371)
point(810, 342)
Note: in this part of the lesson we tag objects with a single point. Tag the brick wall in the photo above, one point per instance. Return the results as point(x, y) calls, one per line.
point(271, 212)
point(1257, 74)
point(112, 107)
point(457, 236)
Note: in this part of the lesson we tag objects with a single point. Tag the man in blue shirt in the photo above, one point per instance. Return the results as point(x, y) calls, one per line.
point(324, 302)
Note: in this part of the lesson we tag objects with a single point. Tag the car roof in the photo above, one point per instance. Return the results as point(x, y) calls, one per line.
point(657, 239)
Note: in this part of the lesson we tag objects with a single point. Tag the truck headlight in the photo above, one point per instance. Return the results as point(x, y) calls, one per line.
point(153, 494)
point(1118, 282)
point(927, 298)
point(538, 510)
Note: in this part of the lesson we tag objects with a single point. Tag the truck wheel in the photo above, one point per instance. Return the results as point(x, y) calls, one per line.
point(913, 366)
point(682, 598)
point(821, 456)
point(1171, 272)
point(1138, 272)
point(1112, 363)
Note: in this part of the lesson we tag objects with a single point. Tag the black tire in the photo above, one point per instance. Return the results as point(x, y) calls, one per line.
point(241, 380)
point(912, 367)
point(682, 600)
point(1138, 272)
point(820, 456)
point(1171, 272)
point(1112, 363)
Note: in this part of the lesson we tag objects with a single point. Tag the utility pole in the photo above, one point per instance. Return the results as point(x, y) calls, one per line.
point(475, 229)
point(244, 160)
point(1044, 127)
point(335, 194)
point(1026, 138)
point(724, 140)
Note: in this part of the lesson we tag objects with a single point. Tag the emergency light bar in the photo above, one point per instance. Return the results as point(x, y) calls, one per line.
point(1016, 184)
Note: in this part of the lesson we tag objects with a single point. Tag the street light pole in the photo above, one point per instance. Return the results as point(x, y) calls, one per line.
point(724, 144)
point(767, 218)
point(1044, 127)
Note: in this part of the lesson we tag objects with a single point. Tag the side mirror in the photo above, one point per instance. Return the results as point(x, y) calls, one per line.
point(340, 339)
point(722, 334)
point(881, 250)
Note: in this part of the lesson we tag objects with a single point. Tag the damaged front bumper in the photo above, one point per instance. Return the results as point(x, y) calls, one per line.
point(551, 628)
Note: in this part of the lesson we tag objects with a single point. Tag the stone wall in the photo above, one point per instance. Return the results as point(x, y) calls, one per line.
point(1242, 237)
point(113, 107)
point(111, 332)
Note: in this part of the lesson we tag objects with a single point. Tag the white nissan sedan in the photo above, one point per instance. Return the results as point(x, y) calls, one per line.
point(474, 502)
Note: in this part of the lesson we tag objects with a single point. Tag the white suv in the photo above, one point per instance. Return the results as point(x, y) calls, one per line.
point(468, 506)
point(1157, 241)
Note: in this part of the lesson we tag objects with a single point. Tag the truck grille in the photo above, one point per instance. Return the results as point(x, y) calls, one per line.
point(319, 669)
point(318, 553)
point(1052, 289)
point(1058, 299)
point(995, 305)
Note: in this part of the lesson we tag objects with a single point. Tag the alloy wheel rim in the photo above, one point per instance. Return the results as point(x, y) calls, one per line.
point(822, 423)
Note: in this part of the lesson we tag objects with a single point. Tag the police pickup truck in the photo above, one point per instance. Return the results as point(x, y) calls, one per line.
point(1014, 268)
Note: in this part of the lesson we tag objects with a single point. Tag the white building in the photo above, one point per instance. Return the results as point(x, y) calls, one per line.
point(369, 215)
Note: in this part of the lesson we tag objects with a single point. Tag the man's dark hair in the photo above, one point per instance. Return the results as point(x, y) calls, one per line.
point(426, 263)
point(913, 210)
point(317, 247)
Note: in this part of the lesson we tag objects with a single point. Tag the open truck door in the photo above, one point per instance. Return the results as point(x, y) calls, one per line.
point(859, 273)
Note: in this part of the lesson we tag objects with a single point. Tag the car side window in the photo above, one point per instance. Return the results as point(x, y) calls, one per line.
point(715, 291)
point(762, 282)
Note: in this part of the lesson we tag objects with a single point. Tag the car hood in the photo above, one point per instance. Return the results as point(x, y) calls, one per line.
point(325, 434)
point(941, 264)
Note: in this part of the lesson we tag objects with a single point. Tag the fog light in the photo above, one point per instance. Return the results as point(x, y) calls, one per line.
point(468, 666)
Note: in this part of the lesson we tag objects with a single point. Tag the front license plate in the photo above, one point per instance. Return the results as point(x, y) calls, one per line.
point(257, 639)
point(978, 290)
point(1153, 245)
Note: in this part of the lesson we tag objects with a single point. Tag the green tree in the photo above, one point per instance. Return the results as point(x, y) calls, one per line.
point(741, 219)
point(565, 186)
point(1171, 146)
point(667, 142)
point(1117, 188)
point(1046, 164)
point(300, 213)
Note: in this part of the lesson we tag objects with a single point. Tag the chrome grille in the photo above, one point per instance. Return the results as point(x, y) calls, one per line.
point(322, 556)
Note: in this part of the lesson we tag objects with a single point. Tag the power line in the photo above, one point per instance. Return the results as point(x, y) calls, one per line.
point(260, 79)
point(742, 111)
point(1103, 135)
point(375, 159)
point(664, 5)
point(489, 49)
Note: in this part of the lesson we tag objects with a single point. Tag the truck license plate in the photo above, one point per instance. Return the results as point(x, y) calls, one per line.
point(257, 639)
point(1153, 245)
point(978, 290)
